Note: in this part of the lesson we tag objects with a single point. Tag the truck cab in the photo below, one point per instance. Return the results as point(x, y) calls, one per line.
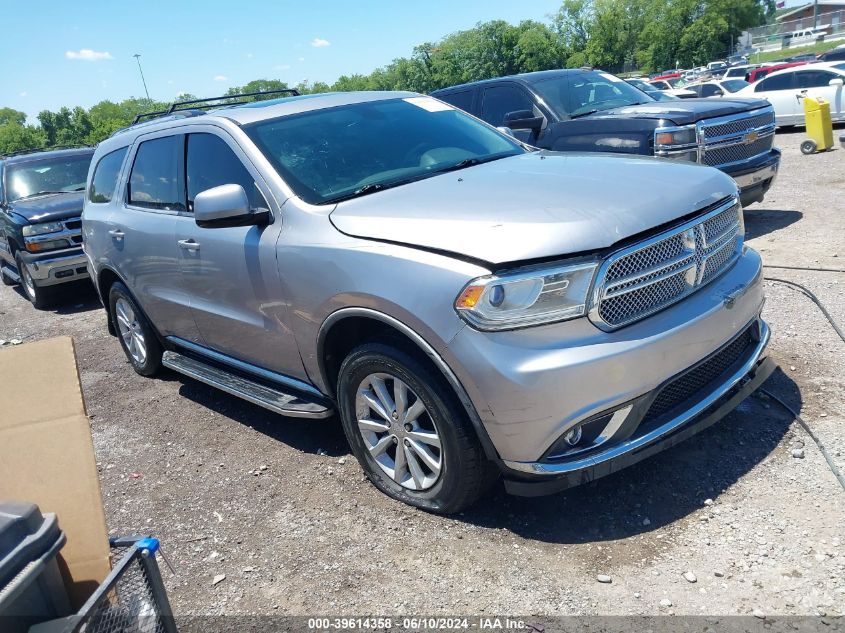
point(586, 110)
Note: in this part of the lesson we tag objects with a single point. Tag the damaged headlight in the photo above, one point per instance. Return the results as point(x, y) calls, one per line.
point(520, 299)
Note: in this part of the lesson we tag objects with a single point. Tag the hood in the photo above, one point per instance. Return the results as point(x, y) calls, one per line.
point(47, 208)
point(538, 205)
point(683, 112)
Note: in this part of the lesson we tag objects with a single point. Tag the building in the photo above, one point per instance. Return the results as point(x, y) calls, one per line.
point(831, 13)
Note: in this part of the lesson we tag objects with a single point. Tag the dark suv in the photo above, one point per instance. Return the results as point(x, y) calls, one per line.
point(593, 111)
point(40, 220)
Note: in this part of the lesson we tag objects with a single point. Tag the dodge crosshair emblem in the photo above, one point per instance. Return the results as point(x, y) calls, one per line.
point(750, 137)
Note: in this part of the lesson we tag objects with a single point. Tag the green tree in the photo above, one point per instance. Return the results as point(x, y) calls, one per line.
point(10, 115)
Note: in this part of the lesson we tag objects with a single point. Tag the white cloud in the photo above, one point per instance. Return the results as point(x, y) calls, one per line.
point(249, 55)
point(87, 55)
point(221, 78)
point(23, 94)
point(319, 42)
point(300, 59)
point(283, 67)
point(170, 82)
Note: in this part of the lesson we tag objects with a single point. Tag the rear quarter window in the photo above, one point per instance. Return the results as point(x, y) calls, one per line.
point(462, 99)
point(106, 174)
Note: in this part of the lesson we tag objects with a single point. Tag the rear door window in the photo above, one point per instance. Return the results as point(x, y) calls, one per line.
point(156, 181)
point(709, 90)
point(500, 100)
point(813, 78)
point(106, 175)
point(211, 163)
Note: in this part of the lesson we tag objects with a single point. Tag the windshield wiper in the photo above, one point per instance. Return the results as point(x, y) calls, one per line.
point(362, 191)
point(47, 193)
point(580, 114)
point(467, 162)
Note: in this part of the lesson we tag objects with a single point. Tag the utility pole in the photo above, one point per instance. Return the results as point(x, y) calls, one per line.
point(137, 57)
point(815, 14)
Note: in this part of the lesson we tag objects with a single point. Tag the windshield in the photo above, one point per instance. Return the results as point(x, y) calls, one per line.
point(337, 153)
point(577, 94)
point(52, 175)
point(732, 85)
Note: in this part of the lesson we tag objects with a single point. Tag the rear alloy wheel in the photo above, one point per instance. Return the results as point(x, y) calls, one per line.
point(40, 297)
point(408, 431)
point(137, 338)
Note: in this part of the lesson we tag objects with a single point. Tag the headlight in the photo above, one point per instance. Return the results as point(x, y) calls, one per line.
point(40, 229)
point(679, 143)
point(508, 301)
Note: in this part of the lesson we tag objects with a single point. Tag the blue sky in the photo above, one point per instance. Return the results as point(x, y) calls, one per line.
point(78, 52)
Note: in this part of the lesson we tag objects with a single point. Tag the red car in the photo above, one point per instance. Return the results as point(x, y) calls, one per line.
point(666, 76)
point(758, 73)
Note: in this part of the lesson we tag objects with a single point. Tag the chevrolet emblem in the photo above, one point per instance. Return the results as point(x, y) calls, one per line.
point(750, 137)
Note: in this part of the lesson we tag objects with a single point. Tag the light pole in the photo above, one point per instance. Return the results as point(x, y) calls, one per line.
point(137, 57)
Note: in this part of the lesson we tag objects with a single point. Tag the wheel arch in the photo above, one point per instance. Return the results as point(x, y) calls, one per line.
point(348, 327)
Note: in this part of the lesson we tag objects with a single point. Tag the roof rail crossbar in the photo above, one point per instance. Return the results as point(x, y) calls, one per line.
point(195, 104)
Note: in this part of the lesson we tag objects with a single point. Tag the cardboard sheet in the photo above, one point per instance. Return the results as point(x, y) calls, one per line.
point(47, 455)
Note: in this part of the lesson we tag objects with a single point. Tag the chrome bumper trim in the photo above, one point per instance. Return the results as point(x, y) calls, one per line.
point(44, 271)
point(756, 177)
point(553, 469)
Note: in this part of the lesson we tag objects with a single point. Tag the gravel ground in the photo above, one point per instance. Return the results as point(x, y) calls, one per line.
point(727, 523)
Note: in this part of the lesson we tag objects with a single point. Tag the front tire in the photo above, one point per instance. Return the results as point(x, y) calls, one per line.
point(408, 431)
point(808, 147)
point(136, 335)
point(40, 297)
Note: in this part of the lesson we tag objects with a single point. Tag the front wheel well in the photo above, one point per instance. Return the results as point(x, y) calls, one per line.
point(354, 330)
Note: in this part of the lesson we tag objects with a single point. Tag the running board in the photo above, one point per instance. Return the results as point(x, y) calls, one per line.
point(274, 399)
point(11, 274)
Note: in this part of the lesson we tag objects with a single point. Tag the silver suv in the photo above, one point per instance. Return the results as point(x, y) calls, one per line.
point(470, 307)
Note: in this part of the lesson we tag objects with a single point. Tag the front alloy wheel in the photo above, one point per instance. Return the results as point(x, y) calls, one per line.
point(408, 430)
point(398, 431)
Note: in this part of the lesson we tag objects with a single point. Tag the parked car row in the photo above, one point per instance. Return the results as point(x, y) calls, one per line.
point(467, 304)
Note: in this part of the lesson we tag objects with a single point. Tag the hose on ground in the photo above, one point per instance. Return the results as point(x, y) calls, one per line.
point(810, 295)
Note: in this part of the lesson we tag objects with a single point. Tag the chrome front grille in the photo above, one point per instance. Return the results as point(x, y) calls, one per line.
point(736, 138)
point(644, 278)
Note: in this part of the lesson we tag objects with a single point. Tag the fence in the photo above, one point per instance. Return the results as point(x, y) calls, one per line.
point(775, 36)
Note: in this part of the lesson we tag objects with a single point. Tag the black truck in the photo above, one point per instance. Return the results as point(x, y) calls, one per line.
point(40, 220)
point(586, 110)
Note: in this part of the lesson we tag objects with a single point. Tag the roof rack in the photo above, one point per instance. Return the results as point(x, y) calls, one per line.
point(33, 150)
point(207, 102)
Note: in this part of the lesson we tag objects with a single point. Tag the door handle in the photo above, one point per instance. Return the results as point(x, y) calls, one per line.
point(189, 244)
point(116, 234)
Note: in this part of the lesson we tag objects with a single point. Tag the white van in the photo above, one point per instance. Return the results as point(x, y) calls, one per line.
point(806, 35)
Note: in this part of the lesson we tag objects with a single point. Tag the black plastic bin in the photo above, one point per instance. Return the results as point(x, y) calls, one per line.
point(31, 587)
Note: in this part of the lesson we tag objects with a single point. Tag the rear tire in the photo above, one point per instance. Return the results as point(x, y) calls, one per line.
point(442, 467)
point(136, 335)
point(40, 297)
point(808, 147)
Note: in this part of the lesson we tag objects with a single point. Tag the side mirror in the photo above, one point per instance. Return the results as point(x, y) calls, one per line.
point(226, 205)
point(523, 120)
point(719, 93)
point(836, 81)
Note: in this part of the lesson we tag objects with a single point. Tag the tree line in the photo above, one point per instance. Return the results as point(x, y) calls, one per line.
point(614, 35)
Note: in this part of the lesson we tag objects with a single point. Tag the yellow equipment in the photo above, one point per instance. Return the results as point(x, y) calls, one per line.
point(819, 126)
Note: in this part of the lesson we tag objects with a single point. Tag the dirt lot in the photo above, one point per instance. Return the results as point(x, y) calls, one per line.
point(282, 510)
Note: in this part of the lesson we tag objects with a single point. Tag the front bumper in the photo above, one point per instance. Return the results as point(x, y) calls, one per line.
point(57, 267)
point(532, 386)
point(532, 479)
point(754, 179)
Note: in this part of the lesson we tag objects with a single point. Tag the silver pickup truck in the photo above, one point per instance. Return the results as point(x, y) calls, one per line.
point(471, 308)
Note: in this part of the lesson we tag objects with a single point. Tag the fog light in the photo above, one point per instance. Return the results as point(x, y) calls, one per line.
point(573, 436)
